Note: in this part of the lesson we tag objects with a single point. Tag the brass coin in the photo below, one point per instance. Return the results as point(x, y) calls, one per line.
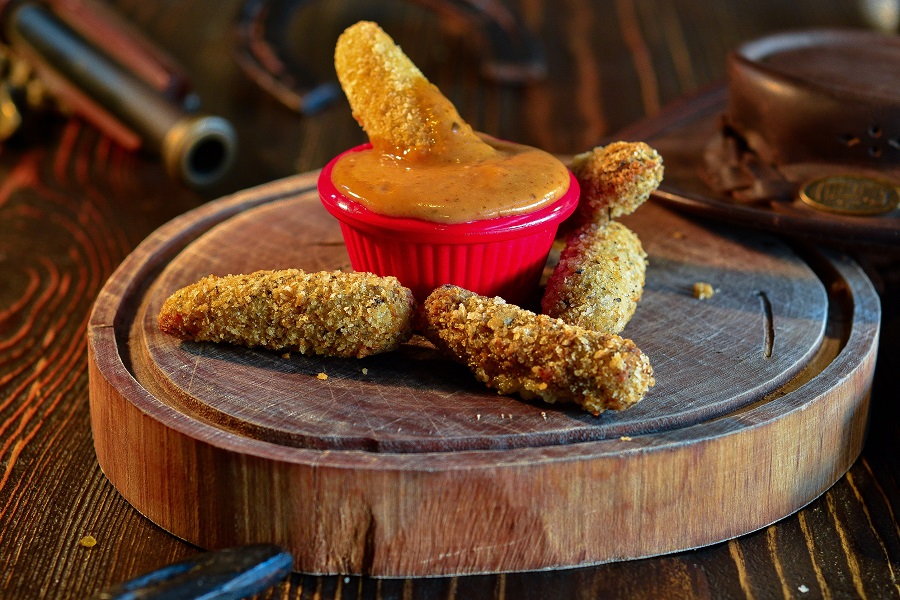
point(851, 195)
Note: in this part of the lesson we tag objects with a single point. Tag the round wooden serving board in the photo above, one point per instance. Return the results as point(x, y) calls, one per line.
point(403, 465)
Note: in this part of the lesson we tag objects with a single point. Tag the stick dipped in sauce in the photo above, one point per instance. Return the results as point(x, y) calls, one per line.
point(426, 162)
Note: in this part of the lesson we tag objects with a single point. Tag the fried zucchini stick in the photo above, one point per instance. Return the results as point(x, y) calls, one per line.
point(325, 313)
point(516, 351)
point(399, 109)
point(615, 180)
point(599, 278)
point(600, 275)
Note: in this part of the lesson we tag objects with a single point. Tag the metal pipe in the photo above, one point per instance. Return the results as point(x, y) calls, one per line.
point(198, 149)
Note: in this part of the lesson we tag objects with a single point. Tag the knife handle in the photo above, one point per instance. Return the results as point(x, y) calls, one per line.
point(228, 574)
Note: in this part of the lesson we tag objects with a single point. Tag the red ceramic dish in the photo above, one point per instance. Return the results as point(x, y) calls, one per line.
point(494, 257)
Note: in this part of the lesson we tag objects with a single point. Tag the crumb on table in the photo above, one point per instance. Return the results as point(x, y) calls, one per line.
point(703, 290)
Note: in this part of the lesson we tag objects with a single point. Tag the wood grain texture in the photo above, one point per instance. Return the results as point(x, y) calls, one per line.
point(843, 545)
point(391, 458)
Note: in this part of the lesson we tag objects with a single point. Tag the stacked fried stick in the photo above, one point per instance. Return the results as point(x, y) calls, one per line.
point(573, 352)
point(570, 354)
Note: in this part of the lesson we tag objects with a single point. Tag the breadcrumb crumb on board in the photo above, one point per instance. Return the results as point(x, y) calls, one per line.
point(703, 290)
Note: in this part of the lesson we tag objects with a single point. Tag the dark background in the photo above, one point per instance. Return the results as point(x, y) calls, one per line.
point(73, 205)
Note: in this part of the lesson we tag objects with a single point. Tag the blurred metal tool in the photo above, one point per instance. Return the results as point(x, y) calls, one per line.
point(258, 55)
point(228, 574)
point(116, 80)
point(510, 54)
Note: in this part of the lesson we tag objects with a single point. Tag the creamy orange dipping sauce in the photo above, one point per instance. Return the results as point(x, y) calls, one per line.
point(497, 179)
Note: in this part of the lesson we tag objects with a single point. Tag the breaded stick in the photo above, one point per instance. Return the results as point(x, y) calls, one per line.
point(326, 313)
point(600, 275)
point(599, 278)
point(399, 109)
point(516, 351)
point(615, 180)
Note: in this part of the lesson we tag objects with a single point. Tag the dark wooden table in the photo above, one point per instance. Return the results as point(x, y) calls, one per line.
point(73, 205)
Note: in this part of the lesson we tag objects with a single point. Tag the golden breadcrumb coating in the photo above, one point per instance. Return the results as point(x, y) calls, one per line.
point(517, 351)
point(615, 180)
point(599, 278)
point(326, 313)
point(398, 108)
point(703, 290)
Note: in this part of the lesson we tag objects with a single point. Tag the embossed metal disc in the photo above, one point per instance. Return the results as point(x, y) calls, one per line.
point(851, 195)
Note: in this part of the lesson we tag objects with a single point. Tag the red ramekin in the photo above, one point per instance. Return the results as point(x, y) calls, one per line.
point(493, 257)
